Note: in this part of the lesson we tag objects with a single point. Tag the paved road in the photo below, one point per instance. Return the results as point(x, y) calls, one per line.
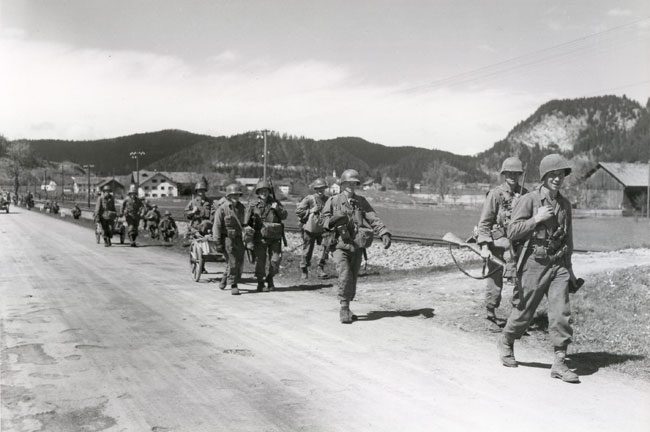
point(121, 339)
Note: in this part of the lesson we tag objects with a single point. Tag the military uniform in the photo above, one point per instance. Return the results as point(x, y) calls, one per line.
point(312, 204)
point(105, 214)
point(257, 215)
point(76, 212)
point(200, 212)
point(227, 230)
point(495, 218)
point(131, 210)
point(544, 266)
point(347, 255)
point(168, 227)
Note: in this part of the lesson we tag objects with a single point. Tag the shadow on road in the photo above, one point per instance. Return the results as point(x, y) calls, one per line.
point(536, 365)
point(375, 315)
point(303, 287)
point(588, 363)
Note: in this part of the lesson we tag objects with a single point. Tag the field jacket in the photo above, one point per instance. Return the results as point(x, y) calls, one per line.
point(360, 214)
point(131, 206)
point(229, 221)
point(497, 210)
point(104, 205)
point(204, 207)
point(309, 202)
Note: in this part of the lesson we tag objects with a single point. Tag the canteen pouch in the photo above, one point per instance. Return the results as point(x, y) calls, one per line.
point(313, 225)
point(248, 236)
point(497, 232)
point(364, 237)
point(272, 230)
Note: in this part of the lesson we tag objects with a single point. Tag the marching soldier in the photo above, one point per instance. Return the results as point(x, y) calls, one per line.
point(200, 210)
point(131, 210)
point(105, 213)
point(495, 217)
point(227, 230)
point(353, 222)
point(541, 220)
point(312, 230)
point(168, 228)
point(265, 217)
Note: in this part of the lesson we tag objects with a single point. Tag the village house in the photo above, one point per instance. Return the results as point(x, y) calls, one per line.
point(615, 185)
point(156, 185)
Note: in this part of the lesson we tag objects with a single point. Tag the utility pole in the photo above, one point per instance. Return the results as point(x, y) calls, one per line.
point(136, 155)
point(62, 184)
point(264, 132)
point(647, 195)
point(87, 168)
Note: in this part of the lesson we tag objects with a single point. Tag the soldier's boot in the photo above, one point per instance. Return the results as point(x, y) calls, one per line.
point(561, 370)
point(321, 273)
point(490, 314)
point(260, 285)
point(505, 346)
point(132, 238)
point(346, 316)
point(304, 273)
point(223, 282)
point(107, 242)
point(234, 290)
point(270, 286)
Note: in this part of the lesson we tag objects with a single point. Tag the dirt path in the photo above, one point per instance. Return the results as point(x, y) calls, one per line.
point(121, 339)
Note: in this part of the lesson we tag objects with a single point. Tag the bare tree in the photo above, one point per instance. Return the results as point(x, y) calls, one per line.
point(440, 176)
point(20, 156)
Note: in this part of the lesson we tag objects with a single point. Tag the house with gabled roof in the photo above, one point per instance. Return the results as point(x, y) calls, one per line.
point(616, 185)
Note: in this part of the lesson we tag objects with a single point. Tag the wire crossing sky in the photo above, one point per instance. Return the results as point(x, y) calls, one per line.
point(453, 75)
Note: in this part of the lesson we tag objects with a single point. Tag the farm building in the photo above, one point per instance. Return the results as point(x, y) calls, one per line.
point(615, 185)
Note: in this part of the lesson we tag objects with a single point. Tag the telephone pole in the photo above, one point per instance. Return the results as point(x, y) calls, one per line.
point(647, 195)
point(136, 155)
point(62, 184)
point(87, 168)
point(264, 132)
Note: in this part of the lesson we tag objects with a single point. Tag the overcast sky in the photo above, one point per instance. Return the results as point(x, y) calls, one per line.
point(454, 75)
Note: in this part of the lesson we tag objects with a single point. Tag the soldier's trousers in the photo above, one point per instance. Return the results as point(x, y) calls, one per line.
point(494, 284)
point(235, 251)
point(132, 223)
point(271, 250)
point(309, 241)
point(536, 280)
point(107, 227)
point(348, 265)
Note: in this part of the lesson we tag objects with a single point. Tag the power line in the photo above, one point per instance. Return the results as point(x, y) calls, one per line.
point(475, 74)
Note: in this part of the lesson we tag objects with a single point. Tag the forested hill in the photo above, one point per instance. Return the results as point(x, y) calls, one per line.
point(588, 130)
point(112, 155)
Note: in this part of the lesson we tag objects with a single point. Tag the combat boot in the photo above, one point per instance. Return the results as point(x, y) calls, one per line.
point(321, 273)
point(270, 286)
point(506, 351)
point(222, 283)
point(107, 242)
point(234, 290)
point(260, 285)
point(305, 273)
point(490, 314)
point(345, 315)
point(561, 370)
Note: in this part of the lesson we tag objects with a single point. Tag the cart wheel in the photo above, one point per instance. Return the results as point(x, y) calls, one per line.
point(197, 265)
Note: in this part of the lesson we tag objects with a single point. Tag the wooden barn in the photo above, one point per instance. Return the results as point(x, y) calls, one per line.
point(615, 185)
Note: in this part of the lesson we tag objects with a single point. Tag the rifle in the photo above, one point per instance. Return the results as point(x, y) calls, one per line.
point(284, 237)
point(452, 238)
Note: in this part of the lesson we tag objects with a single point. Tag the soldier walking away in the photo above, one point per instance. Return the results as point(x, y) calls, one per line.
point(228, 232)
point(353, 222)
point(200, 211)
point(131, 210)
point(492, 226)
point(168, 228)
point(265, 217)
point(76, 211)
point(542, 226)
point(309, 213)
point(105, 214)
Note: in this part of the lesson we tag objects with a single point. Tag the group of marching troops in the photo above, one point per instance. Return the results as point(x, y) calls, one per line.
point(532, 230)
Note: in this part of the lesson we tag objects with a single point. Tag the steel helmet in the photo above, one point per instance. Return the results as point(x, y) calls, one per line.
point(132, 189)
point(319, 183)
point(512, 164)
point(350, 175)
point(168, 213)
point(233, 189)
point(201, 186)
point(553, 162)
point(261, 185)
point(107, 188)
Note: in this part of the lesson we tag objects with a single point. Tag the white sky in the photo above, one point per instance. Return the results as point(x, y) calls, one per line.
point(385, 70)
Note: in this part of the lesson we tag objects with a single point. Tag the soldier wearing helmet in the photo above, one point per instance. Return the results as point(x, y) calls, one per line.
point(309, 213)
point(131, 210)
point(228, 232)
point(542, 227)
point(200, 210)
point(492, 226)
point(265, 217)
point(105, 214)
point(168, 228)
point(152, 220)
point(353, 222)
